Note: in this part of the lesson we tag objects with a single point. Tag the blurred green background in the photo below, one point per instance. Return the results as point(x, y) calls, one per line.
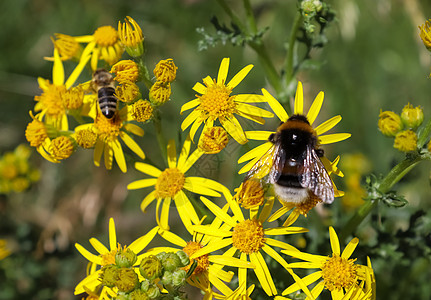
point(374, 60)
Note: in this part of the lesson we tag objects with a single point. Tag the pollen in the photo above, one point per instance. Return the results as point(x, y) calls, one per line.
point(202, 261)
point(105, 36)
point(217, 102)
point(338, 272)
point(73, 98)
point(169, 183)
point(160, 92)
point(125, 70)
point(127, 92)
point(142, 111)
point(213, 140)
point(108, 129)
point(304, 207)
point(86, 138)
point(51, 100)
point(36, 133)
point(165, 70)
point(62, 147)
point(251, 194)
point(248, 236)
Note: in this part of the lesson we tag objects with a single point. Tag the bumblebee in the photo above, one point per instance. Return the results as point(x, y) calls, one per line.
point(293, 164)
point(103, 83)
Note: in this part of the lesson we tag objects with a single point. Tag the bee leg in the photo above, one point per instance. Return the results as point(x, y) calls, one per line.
point(272, 138)
point(320, 152)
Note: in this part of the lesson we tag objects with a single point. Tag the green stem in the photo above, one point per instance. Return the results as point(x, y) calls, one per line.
point(394, 175)
point(231, 14)
point(424, 134)
point(290, 51)
point(159, 134)
point(144, 74)
point(250, 16)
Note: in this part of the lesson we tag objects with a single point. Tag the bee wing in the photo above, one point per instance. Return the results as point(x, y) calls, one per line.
point(264, 166)
point(316, 178)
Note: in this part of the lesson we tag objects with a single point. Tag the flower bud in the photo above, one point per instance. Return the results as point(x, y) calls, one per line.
point(151, 267)
point(145, 285)
point(411, 116)
point(165, 70)
point(153, 292)
point(184, 258)
point(127, 279)
point(171, 262)
point(179, 277)
point(406, 141)
point(167, 278)
point(109, 275)
point(425, 34)
point(138, 295)
point(125, 258)
point(390, 123)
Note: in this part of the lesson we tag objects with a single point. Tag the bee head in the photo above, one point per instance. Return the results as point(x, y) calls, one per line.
point(102, 77)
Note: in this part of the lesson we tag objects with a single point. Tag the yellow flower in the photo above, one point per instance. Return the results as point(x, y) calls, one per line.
point(411, 116)
point(127, 92)
point(206, 275)
point(406, 141)
point(86, 138)
point(106, 256)
point(125, 71)
point(57, 97)
point(339, 273)
point(213, 140)
point(131, 37)
point(62, 147)
point(4, 249)
point(264, 152)
point(165, 70)
point(170, 184)
point(109, 132)
point(389, 123)
point(217, 103)
point(142, 110)
point(250, 237)
point(103, 44)
point(160, 92)
point(67, 46)
point(425, 34)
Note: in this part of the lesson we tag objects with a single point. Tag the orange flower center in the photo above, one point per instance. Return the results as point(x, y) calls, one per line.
point(248, 236)
point(169, 183)
point(338, 272)
point(51, 100)
point(105, 36)
point(202, 261)
point(108, 129)
point(217, 102)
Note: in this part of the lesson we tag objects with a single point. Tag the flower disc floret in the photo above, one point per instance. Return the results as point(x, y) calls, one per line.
point(251, 194)
point(62, 147)
point(217, 102)
point(213, 140)
point(390, 123)
point(51, 100)
point(73, 98)
point(142, 110)
point(125, 70)
point(425, 34)
point(86, 138)
point(108, 129)
point(202, 261)
point(338, 272)
point(105, 36)
point(248, 236)
point(160, 92)
point(67, 46)
point(169, 183)
point(165, 70)
point(127, 92)
point(406, 141)
point(36, 133)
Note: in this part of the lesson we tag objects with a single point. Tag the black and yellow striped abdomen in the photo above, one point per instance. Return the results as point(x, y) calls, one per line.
point(107, 101)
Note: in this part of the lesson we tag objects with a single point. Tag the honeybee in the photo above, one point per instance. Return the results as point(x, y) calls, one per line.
point(293, 164)
point(103, 83)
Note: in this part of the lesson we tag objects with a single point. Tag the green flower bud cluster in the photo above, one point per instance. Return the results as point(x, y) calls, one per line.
point(403, 127)
point(164, 270)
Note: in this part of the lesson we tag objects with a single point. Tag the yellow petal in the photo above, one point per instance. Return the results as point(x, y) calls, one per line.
point(285, 230)
point(98, 246)
point(276, 107)
point(239, 76)
point(350, 248)
point(203, 186)
point(164, 215)
point(57, 69)
point(185, 208)
point(135, 129)
point(261, 135)
point(223, 70)
point(208, 230)
point(233, 127)
point(192, 117)
point(185, 150)
point(266, 210)
point(147, 200)
point(173, 238)
point(211, 247)
point(327, 125)
point(250, 98)
point(230, 261)
point(263, 274)
point(172, 154)
point(335, 243)
point(256, 119)
point(88, 255)
point(253, 110)
point(98, 151)
point(139, 244)
point(189, 105)
point(194, 128)
point(142, 183)
point(112, 235)
point(119, 155)
point(90, 282)
point(333, 138)
point(218, 212)
point(302, 283)
point(314, 110)
point(191, 160)
point(148, 169)
point(305, 256)
point(77, 71)
point(200, 88)
point(132, 144)
point(299, 100)
point(279, 244)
